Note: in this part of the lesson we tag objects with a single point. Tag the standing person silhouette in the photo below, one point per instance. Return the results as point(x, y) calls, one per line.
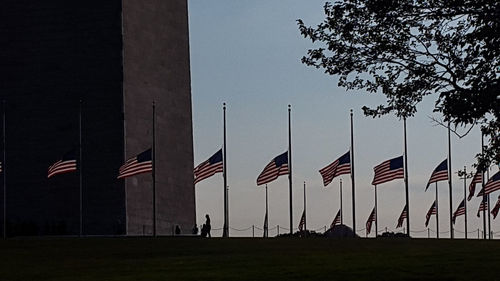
point(207, 225)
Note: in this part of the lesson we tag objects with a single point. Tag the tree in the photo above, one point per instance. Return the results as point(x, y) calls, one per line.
point(410, 49)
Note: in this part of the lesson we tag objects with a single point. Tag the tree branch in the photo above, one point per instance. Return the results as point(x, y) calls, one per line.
point(438, 122)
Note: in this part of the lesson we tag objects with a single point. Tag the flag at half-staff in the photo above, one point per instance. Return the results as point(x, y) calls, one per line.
point(459, 212)
point(266, 227)
point(495, 209)
point(210, 167)
point(439, 174)
point(402, 217)
point(492, 185)
point(432, 211)
point(388, 170)
point(477, 179)
point(336, 220)
point(302, 221)
point(339, 167)
point(66, 164)
point(372, 218)
point(483, 206)
point(277, 167)
point(142, 163)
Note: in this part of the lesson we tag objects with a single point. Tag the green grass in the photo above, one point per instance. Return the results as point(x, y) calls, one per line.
point(247, 259)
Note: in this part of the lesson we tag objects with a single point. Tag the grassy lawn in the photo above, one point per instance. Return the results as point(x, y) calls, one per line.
point(247, 259)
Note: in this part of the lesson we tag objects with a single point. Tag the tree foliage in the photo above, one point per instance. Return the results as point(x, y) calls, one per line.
point(410, 49)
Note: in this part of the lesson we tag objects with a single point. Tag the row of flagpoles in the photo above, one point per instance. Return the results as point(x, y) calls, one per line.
point(396, 168)
point(143, 162)
point(389, 170)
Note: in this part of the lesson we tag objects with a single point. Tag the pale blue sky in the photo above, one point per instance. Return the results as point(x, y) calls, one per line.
point(247, 53)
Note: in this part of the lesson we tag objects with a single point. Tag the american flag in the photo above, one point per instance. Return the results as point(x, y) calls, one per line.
point(371, 219)
point(388, 171)
point(492, 185)
point(402, 217)
point(494, 212)
point(302, 221)
point(142, 163)
point(478, 178)
point(277, 167)
point(336, 220)
point(210, 167)
point(66, 165)
point(439, 174)
point(460, 211)
point(432, 211)
point(483, 206)
point(339, 167)
point(264, 234)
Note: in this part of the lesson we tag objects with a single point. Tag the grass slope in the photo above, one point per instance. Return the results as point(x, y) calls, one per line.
point(247, 259)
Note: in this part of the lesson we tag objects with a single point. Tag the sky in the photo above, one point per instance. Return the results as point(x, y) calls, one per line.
point(247, 53)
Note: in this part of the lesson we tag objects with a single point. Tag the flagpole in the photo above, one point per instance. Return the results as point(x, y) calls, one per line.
point(352, 181)
point(450, 181)
point(465, 199)
point(341, 213)
point(290, 166)
point(437, 212)
point(225, 232)
point(4, 164)
point(406, 181)
point(80, 169)
point(153, 174)
point(266, 230)
point(376, 213)
point(305, 215)
point(484, 193)
point(488, 207)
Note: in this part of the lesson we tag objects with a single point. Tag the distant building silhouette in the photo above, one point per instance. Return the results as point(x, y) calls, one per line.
point(117, 56)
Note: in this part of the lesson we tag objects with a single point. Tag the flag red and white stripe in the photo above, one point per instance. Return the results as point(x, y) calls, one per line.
point(402, 217)
point(142, 163)
point(336, 220)
point(388, 170)
point(339, 167)
point(66, 165)
point(495, 209)
point(482, 207)
point(459, 212)
point(61, 167)
point(372, 218)
point(477, 179)
point(492, 185)
point(440, 173)
point(210, 167)
point(432, 211)
point(302, 221)
point(266, 227)
point(277, 167)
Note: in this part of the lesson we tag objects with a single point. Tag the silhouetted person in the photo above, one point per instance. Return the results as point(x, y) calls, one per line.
point(195, 230)
point(177, 230)
point(204, 231)
point(207, 225)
